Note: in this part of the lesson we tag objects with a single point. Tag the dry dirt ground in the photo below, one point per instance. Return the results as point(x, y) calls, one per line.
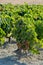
point(8, 56)
point(22, 1)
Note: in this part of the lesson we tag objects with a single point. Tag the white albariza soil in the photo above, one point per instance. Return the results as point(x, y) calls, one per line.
point(22, 1)
point(8, 56)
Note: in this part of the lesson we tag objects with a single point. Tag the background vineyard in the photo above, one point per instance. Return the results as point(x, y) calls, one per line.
point(22, 22)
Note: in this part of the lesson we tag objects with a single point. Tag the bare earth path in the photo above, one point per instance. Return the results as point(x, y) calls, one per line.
point(22, 1)
point(9, 57)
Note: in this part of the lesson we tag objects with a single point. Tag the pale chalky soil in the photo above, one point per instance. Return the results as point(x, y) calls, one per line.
point(22, 1)
point(9, 57)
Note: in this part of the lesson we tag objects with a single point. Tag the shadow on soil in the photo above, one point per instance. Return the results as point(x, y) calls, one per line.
point(7, 42)
point(12, 60)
